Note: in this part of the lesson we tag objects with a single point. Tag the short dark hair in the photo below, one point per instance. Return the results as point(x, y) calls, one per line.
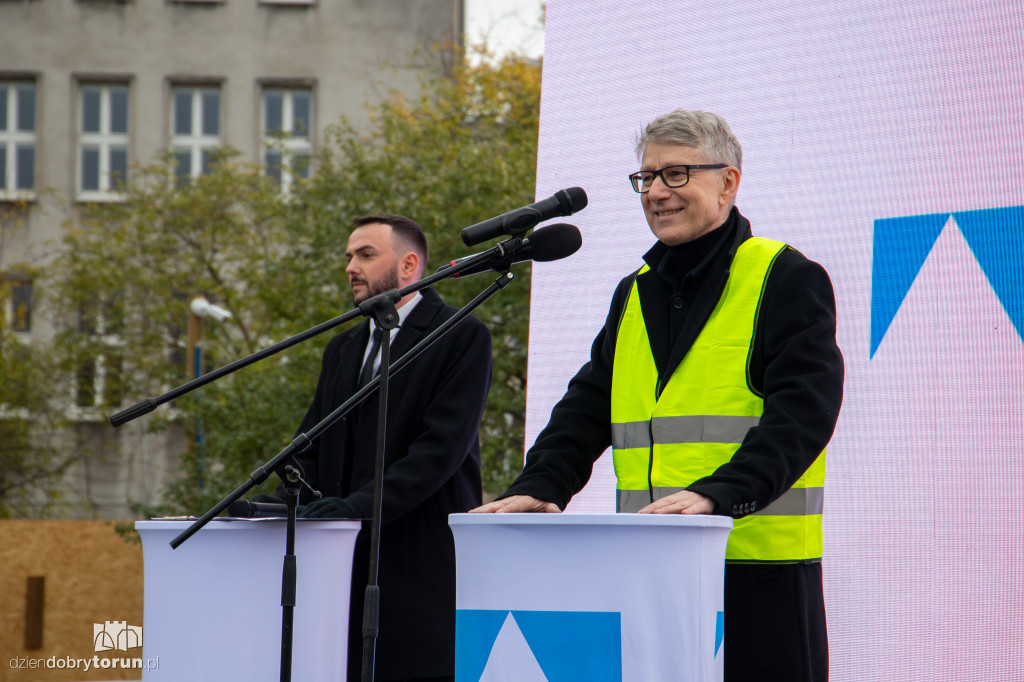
point(404, 229)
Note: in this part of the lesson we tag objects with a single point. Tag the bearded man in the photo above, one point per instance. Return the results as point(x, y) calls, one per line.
point(432, 451)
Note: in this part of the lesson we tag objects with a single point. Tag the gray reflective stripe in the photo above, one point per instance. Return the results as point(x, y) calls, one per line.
point(688, 429)
point(665, 492)
point(797, 502)
point(631, 435)
point(631, 501)
point(794, 502)
point(702, 429)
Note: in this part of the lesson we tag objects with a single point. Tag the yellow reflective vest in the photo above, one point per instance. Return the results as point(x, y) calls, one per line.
point(664, 440)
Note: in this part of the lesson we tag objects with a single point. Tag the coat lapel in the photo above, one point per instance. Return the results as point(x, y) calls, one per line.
point(352, 361)
point(415, 327)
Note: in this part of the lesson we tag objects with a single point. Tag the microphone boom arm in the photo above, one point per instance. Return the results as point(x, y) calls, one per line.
point(148, 405)
point(303, 440)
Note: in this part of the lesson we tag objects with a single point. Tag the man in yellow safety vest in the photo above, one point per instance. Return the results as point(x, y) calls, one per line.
point(717, 382)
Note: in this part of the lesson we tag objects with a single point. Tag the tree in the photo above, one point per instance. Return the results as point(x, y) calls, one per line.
point(120, 292)
point(463, 151)
point(33, 457)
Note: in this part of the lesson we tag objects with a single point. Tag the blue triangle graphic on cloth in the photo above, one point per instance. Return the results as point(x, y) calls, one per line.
point(996, 236)
point(475, 632)
point(574, 645)
point(901, 246)
point(719, 631)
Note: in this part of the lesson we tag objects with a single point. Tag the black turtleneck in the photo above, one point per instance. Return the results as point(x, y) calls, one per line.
point(691, 258)
point(682, 268)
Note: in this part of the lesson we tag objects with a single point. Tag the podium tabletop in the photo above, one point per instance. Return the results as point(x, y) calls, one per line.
point(563, 519)
point(231, 523)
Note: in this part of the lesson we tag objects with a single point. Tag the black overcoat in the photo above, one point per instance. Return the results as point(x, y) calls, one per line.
point(432, 470)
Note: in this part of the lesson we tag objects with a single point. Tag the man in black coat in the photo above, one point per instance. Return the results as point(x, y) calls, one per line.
point(435, 405)
point(690, 173)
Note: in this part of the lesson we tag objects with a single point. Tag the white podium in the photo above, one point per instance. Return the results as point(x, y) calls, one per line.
point(596, 597)
point(213, 606)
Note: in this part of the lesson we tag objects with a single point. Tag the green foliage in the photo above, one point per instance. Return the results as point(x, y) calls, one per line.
point(465, 150)
point(32, 458)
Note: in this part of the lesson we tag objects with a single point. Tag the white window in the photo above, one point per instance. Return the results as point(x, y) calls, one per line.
point(287, 133)
point(17, 139)
point(102, 140)
point(99, 379)
point(195, 128)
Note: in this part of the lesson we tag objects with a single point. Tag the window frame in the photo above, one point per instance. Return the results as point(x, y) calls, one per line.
point(14, 140)
point(194, 143)
point(104, 371)
point(289, 145)
point(105, 141)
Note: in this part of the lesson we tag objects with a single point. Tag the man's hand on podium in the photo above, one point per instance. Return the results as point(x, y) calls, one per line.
point(330, 508)
point(516, 504)
point(682, 502)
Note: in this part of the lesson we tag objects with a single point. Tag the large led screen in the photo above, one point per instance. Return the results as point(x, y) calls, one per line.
point(884, 140)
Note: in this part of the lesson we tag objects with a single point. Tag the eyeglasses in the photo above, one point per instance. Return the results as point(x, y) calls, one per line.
point(672, 176)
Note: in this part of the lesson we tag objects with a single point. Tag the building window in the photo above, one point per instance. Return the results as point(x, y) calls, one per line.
point(99, 377)
point(287, 134)
point(98, 381)
point(195, 128)
point(17, 139)
point(102, 140)
point(16, 295)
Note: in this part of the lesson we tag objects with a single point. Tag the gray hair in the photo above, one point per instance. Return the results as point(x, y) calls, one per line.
point(700, 130)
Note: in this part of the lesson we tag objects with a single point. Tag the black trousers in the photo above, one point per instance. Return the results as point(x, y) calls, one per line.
point(775, 623)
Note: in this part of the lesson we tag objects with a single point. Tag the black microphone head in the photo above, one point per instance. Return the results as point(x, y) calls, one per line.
point(572, 199)
point(242, 509)
point(554, 242)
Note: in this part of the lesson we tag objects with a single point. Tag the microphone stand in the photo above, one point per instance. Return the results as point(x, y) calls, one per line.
point(303, 440)
point(289, 580)
point(386, 318)
point(381, 304)
point(289, 573)
point(382, 308)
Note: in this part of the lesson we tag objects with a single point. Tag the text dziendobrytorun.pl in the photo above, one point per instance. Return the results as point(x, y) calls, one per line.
point(85, 664)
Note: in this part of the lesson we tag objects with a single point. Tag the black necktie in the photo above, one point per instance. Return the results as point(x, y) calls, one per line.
point(367, 372)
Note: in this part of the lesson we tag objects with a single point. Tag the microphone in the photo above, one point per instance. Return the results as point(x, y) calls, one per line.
point(548, 243)
point(247, 509)
point(561, 203)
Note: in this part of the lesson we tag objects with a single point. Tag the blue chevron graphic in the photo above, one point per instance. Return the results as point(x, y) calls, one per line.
point(568, 645)
point(901, 245)
point(719, 631)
